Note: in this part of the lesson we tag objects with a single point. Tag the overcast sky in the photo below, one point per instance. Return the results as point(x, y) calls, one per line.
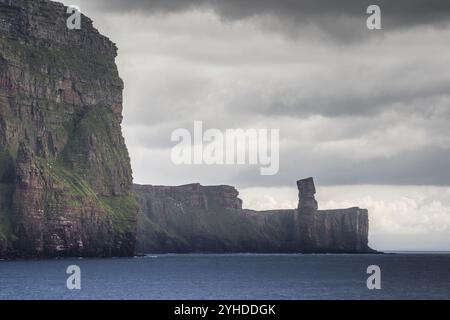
point(366, 113)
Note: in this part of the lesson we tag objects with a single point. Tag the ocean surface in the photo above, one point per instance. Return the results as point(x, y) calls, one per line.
point(247, 276)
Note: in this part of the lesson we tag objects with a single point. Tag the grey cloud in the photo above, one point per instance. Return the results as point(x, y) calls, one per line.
point(196, 68)
point(427, 166)
point(358, 104)
point(339, 18)
point(407, 11)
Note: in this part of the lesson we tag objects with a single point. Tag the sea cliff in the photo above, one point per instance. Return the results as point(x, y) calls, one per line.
point(65, 175)
point(195, 218)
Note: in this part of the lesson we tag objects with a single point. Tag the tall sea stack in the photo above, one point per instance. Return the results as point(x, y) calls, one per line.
point(307, 203)
point(338, 230)
point(65, 175)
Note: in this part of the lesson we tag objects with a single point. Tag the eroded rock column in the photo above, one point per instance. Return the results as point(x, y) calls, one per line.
point(307, 203)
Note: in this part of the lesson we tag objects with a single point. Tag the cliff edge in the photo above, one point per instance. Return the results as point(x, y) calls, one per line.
point(65, 175)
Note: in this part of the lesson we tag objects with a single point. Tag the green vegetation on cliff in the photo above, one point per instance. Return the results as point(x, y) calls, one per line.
point(200, 230)
point(91, 148)
point(121, 210)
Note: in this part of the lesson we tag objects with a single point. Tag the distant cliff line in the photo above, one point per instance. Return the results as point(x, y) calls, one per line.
point(195, 218)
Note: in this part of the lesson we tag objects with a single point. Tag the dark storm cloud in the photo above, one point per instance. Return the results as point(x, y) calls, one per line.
point(330, 15)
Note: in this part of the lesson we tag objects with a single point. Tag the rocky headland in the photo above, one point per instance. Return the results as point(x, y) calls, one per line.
point(195, 218)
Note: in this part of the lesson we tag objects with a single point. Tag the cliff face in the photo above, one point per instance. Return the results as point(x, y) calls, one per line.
point(65, 175)
point(194, 218)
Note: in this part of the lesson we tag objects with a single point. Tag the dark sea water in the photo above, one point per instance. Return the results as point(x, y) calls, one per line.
point(403, 276)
